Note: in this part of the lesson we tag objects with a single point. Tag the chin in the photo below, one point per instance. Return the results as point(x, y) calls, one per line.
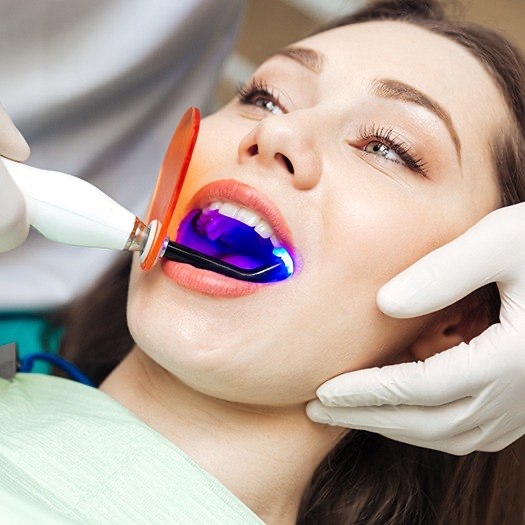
point(223, 369)
point(218, 352)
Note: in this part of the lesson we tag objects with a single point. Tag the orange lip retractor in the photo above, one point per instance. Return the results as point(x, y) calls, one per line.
point(169, 184)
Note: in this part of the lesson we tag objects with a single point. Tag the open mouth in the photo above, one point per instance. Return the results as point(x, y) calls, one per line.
point(234, 235)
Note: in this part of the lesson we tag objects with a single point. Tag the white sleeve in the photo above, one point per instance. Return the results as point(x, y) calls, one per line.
point(97, 89)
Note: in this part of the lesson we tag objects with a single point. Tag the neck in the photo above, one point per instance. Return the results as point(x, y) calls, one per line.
point(263, 455)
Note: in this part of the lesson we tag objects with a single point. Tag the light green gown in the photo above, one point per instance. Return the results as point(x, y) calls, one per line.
point(71, 454)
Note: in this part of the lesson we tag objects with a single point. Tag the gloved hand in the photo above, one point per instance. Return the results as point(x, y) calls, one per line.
point(13, 222)
point(470, 397)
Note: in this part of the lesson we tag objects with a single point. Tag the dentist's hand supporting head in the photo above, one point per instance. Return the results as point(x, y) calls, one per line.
point(470, 397)
point(13, 221)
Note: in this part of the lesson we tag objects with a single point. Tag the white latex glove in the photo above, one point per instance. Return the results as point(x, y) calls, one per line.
point(13, 221)
point(470, 397)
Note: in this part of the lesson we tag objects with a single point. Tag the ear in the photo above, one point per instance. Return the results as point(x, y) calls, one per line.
point(459, 323)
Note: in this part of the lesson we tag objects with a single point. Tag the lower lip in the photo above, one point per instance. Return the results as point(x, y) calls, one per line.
point(206, 282)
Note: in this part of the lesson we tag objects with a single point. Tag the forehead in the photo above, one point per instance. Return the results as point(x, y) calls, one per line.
point(439, 67)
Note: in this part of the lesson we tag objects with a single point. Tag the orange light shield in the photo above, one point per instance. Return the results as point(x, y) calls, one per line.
point(169, 183)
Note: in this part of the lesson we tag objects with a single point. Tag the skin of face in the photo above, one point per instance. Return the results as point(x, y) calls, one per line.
point(357, 218)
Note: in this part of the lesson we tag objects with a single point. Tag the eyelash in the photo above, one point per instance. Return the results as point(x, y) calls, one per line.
point(248, 94)
point(387, 137)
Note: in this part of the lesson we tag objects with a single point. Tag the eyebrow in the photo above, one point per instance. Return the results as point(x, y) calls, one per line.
point(388, 88)
point(309, 58)
point(396, 90)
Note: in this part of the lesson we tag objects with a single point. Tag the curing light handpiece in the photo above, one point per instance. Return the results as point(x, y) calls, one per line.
point(280, 268)
point(69, 210)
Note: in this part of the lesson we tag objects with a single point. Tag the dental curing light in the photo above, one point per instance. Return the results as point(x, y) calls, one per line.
point(69, 210)
point(278, 270)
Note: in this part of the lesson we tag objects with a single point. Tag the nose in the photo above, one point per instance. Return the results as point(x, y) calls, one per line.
point(284, 144)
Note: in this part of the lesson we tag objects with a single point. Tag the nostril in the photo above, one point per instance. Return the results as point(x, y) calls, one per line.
point(253, 150)
point(286, 161)
point(289, 165)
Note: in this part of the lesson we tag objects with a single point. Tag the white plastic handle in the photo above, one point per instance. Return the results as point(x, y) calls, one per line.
point(69, 210)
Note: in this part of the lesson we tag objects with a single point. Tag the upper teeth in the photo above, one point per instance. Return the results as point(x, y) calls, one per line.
point(245, 216)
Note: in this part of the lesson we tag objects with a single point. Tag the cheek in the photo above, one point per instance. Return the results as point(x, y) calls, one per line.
point(142, 312)
point(377, 229)
point(215, 150)
point(370, 233)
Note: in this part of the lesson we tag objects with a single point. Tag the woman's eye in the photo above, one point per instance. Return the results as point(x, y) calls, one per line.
point(259, 95)
point(385, 143)
point(382, 150)
point(267, 105)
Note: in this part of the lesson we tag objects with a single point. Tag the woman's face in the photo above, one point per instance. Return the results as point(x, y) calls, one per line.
point(372, 141)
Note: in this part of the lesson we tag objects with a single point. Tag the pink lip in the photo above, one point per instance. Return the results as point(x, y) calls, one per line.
point(210, 283)
point(206, 282)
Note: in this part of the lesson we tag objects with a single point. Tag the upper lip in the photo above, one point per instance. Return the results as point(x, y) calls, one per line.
point(230, 190)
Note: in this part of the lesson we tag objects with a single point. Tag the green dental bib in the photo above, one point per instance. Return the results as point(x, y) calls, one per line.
point(80, 457)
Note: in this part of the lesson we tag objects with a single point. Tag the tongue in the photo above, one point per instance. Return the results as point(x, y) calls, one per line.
point(242, 261)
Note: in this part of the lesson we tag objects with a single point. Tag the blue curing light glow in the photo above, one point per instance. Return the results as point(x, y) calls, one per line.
point(283, 254)
point(236, 244)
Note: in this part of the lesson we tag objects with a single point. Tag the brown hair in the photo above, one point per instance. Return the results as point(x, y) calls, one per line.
point(368, 479)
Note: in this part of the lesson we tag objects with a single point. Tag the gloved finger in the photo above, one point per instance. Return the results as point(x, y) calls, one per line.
point(504, 440)
point(459, 445)
point(451, 272)
point(14, 225)
point(474, 439)
point(440, 379)
point(423, 424)
point(12, 143)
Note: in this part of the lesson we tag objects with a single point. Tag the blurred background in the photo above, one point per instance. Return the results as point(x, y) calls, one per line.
point(98, 86)
point(271, 24)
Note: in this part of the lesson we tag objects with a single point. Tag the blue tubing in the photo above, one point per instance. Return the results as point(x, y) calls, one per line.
point(26, 365)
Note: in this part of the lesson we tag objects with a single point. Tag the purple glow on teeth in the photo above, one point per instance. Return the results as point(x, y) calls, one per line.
point(225, 238)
